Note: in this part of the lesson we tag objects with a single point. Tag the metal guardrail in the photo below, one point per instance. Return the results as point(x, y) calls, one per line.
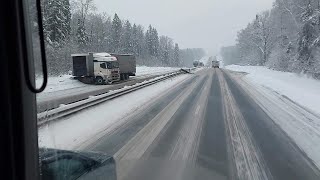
point(62, 111)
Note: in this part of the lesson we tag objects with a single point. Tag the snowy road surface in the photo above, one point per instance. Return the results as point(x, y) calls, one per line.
point(211, 125)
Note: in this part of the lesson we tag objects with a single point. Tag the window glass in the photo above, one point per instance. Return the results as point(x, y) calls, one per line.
point(219, 89)
point(109, 65)
point(115, 64)
point(103, 65)
point(63, 169)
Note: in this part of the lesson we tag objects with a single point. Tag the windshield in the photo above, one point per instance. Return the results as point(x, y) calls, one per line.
point(112, 65)
point(204, 89)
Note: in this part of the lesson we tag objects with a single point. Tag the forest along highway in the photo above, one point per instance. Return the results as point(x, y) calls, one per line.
point(208, 126)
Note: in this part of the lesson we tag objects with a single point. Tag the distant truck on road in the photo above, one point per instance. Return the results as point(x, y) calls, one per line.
point(103, 68)
point(215, 62)
point(198, 64)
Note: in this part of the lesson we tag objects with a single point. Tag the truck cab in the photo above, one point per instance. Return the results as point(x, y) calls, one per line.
point(106, 69)
point(215, 63)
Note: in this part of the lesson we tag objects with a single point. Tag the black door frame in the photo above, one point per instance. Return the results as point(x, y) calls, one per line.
point(18, 125)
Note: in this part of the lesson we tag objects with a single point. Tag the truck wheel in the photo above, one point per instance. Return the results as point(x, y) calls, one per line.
point(99, 80)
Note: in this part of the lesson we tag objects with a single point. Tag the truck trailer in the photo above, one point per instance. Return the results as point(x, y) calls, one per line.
point(127, 65)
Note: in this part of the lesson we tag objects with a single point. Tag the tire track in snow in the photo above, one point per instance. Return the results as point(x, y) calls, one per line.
point(187, 144)
point(212, 154)
point(247, 159)
point(113, 141)
point(176, 138)
point(139, 144)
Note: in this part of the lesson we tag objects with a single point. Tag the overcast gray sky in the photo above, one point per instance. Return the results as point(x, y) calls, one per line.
point(208, 24)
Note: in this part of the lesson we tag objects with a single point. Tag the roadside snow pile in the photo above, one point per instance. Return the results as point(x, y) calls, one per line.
point(299, 88)
point(144, 70)
point(60, 83)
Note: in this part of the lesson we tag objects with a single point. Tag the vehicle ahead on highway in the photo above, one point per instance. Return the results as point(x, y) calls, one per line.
point(215, 64)
point(198, 64)
point(102, 68)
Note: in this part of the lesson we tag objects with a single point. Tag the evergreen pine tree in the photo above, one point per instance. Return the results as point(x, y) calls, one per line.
point(306, 38)
point(127, 44)
point(155, 42)
point(135, 40)
point(57, 17)
point(82, 37)
point(176, 55)
point(116, 31)
point(141, 51)
point(149, 41)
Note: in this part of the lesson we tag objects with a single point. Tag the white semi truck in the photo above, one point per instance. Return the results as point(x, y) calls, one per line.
point(103, 68)
point(215, 62)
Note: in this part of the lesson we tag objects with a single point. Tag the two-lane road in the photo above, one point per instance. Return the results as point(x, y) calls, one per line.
point(208, 127)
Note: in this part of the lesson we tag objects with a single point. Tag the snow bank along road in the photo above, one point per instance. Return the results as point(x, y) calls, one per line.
point(52, 99)
point(210, 125)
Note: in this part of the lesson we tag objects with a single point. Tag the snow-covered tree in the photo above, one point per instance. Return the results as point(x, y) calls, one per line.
point(116, 32)
point(257, 40)
point(57, 17)
point(135, 40)
point(82, 37)
point(152, 41)
point(141, 43)
point(127, 39)
point(81, 29)
point(155, 41)
point(164, 51)
point(98, 28)
point(176, 54)
point(308, 38)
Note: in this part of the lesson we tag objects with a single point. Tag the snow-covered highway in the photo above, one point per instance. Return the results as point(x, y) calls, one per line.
point(214, 123)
